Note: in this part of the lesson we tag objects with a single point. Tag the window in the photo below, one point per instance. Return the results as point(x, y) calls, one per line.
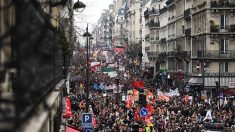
point(223, 46)
point(224, 67)
point(223, 21)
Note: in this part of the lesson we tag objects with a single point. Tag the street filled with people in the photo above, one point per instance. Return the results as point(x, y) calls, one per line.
point(116, 104)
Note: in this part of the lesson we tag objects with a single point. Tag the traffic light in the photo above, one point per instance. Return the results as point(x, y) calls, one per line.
point(142, 98)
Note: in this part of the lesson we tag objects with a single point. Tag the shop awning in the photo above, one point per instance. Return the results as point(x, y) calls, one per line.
point(195, 81)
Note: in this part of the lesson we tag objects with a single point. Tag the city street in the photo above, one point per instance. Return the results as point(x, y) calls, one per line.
point(117, 66)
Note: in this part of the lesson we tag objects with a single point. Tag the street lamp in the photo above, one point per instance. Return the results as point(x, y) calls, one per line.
point(78, 5)
point(87, 35)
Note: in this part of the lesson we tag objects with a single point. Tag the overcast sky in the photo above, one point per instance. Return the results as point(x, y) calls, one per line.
point(90, 15)
point(92, 12)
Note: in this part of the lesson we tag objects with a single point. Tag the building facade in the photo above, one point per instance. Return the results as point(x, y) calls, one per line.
point(213, 45)
point(31, 85)
point(196, 44)
point(133, 30)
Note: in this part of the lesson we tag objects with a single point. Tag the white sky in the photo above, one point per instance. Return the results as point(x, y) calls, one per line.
point(91, 13)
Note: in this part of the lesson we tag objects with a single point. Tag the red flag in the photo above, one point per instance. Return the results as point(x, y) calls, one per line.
point(135, 94)
point(129, 102)
point(136, 116)
point(94, 122)
point(148, 120)
point(186, 99)
point(68, 112)
point(150, 109)
point(138, 84)
point(149, 96)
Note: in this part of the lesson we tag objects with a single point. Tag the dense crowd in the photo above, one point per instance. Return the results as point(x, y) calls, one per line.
point(176, 115)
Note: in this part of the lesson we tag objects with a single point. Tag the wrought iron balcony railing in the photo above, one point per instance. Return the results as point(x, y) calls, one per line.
point(187, 13)
point(216, 54)
point(169, 2)
point(163, 10)
point(226, 28)
point(163, 40)
point(188, 32)
point(222, 4)
point(154, 12)
point(179, 54)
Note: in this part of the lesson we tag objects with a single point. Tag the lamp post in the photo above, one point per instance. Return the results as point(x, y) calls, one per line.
point(87, 35)
point(90, 39)
point(77, 5)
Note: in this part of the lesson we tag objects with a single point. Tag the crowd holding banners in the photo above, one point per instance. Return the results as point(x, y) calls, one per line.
point(168, 111)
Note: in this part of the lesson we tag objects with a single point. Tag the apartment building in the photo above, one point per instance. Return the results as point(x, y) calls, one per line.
point(152, 22)
point(197, 44)
point(213, 46)
point(30, 85)
point(103, 31)
point(118, 28)
point(133, 30)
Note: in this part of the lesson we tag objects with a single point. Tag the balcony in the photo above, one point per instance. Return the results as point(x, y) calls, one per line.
point(152, 54)
point(163, 10)
point(187, 13)
point(163, 40)
point(171, 54)
point(179, 54)
point(214, 28)
point(222, 4)
point(187, 32)
point(153, 24)
point(146, 14)
point(154, 12)
point(171, 36)
point(169, 2)
point(215, 54)
point(147, 37)
point(219, 29)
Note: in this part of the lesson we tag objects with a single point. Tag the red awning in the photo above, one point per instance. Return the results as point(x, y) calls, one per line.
point(229, 92)
point(71, 129)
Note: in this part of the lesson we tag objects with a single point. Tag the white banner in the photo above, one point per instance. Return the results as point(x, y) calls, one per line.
point(170, 94)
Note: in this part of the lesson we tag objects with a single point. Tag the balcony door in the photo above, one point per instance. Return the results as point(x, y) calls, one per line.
point(223, 21)
point(224, 46)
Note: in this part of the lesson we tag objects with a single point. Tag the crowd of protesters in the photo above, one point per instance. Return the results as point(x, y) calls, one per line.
point(111, 114)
